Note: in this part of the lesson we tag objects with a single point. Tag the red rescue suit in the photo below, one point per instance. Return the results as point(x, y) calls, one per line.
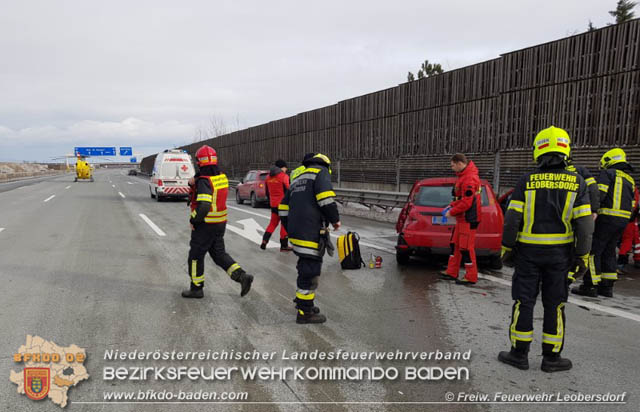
point(277, 186)
point(466, 208)
point(630, 240)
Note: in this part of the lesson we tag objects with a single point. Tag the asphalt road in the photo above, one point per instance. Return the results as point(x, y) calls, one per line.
point(83, 267)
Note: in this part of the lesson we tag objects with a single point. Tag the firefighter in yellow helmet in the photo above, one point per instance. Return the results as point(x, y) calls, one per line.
point(616, 205)
point(547, 232)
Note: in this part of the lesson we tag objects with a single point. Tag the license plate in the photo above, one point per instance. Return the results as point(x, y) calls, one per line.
point(439, 220)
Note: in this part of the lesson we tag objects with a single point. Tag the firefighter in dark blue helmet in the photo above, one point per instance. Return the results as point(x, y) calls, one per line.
point(307, 208)
point(547, 230)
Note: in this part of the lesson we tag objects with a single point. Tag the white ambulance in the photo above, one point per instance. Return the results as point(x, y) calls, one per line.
point(171, 173)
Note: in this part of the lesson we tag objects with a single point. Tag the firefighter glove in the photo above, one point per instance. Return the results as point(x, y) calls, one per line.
point(507, 256)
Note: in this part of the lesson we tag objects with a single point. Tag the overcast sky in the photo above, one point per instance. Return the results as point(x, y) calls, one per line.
point(147, 74)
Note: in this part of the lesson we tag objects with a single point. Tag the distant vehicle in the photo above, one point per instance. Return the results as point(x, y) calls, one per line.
point(170, 176)
point(84, 171)
point(132, 172)
point(421, 231)
point(253, 188)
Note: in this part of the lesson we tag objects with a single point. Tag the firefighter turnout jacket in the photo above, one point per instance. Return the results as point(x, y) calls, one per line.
point(546, 206)
point(617, 191)
point(210, 195)
point(307, 207)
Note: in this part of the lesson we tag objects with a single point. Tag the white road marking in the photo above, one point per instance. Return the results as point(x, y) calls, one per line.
point(130, 183)
point(152, 225)
point(68, 187)
point(113, 186)
point(576, 301)
point(248, 211)
point(49, 198)
point(121, 195)
point(250, 232)
point(1, 229)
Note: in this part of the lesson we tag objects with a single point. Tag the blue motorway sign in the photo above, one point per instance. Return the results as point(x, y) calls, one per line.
point(126, 151)
point(95, 151)
point(133, 160)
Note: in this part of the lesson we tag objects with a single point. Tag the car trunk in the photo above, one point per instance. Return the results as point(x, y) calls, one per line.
point(425, 213)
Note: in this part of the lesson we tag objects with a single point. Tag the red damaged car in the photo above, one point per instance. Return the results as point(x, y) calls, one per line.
point(421, 230)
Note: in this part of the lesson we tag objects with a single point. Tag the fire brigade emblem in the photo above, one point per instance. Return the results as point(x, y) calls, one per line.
point(36, 383)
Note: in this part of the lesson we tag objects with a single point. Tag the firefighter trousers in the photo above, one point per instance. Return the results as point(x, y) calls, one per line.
point(463, 250)
point(307, 282)
point(208, 237)
point(536, 268)
point(606, 235)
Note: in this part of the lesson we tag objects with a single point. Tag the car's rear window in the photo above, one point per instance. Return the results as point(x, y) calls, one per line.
point(263, 176)
point(440, 196)
point(434, 196)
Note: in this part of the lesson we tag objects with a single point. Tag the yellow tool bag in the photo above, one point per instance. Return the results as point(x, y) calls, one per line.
point(349, 251)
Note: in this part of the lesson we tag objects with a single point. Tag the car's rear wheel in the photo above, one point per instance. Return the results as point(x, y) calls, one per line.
point(238, 200)
point(158, 197)
point(254, 201)
point(151, 193)
point(402, 258)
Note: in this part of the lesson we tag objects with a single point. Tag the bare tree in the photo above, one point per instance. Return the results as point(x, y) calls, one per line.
point(217, 127)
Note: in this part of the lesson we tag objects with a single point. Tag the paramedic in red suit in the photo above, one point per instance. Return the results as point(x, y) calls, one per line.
point(277, 186)
point(466, 208)
point(630, 240)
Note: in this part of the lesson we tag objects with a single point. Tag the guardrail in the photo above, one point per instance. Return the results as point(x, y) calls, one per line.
point(11, 177)
point(369, 198)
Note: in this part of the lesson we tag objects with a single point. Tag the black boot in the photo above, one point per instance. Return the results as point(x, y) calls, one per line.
point(284, 245)
point(265, 240)
point(307, 313)
point(515, 358)
point(244, 279)
point(193, 292)
point(585, 290)
point(309, 317)
point(554, 363)
point(314, 308)
point(605, 288)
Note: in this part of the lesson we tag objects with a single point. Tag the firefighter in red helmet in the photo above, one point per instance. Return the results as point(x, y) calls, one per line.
point(208, 222)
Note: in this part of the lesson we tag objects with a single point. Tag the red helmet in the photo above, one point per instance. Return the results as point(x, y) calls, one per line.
point(206, 156)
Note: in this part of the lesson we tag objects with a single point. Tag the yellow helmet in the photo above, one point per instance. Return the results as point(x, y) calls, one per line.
point(551, 140)
point(612, 157)
point(324, 158)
